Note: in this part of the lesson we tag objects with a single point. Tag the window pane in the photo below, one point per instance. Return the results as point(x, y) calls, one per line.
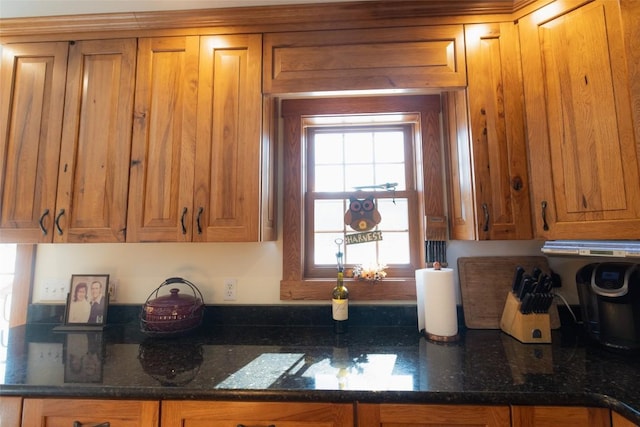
point(329, 215)
point(394, 216)
point(391, 173)
point(389, 147)
point(359, 147)
point(325, 248)
point(395, 249)
point(358, 176)
point(361, 253)
point(329, 178)
point(328, 148)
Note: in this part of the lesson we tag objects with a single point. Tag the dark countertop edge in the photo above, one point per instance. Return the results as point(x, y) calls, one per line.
point(333, 396)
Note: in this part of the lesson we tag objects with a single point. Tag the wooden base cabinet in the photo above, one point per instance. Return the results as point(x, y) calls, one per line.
point(280, 414)
point(618, 420)
point(90, 412)
point(565, 416)
point(10, 410)
point(408, 415)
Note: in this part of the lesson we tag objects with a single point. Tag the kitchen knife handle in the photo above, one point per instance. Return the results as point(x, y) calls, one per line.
point(545, 226)
point(517, 278)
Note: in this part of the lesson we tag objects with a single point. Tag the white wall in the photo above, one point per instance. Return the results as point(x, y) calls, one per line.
point(139, 268)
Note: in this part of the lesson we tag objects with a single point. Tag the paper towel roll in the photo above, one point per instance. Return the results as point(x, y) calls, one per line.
point(436, 299)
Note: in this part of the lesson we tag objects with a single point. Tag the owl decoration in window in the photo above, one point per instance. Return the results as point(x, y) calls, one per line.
point(362, 214)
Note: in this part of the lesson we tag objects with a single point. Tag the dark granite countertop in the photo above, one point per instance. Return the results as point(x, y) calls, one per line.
point(311, 363)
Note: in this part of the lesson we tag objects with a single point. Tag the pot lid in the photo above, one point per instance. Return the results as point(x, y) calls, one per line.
point(174, 298)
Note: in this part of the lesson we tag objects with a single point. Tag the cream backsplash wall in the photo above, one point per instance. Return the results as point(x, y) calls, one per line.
point(139, 268)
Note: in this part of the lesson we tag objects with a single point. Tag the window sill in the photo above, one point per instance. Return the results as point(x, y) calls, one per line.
point(400, 289)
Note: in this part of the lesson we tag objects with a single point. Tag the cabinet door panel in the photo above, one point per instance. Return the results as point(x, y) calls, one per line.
point(31, 105)
point(414, 57)
point(227, 181)
point(64, 412)
point(583, 155)
point(498, 139)
point(164, 137)
point(551, 416)
point(93, 176)
point(413, 415)
point(10, 411)
point(232, 414)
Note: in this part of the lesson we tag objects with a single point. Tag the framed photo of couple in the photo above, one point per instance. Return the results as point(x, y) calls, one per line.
point(87, 300)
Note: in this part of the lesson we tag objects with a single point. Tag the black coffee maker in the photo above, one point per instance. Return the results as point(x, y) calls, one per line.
point(609, 295)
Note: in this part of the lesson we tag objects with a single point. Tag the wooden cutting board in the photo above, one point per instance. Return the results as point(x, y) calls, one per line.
point(485, 283)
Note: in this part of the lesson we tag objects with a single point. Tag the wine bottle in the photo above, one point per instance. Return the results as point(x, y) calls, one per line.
point(340, 305)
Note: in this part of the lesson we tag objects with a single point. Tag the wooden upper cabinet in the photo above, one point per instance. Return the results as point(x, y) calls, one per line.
point(582, 150)
point(497, 156)
point(93, 180)
point(287, 414)
point(381, 415)
point(566, 416)
point(88, 412)
point(32, 77)
point(228, 164)
point(164, 140)
point(384, 58)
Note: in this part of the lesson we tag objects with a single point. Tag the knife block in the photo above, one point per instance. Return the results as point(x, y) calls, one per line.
point(526, 328)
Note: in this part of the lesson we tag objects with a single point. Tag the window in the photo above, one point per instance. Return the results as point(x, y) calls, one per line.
point(337, 149)
point(369, 161)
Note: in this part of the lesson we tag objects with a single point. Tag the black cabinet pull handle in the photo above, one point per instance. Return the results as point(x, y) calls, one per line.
point(58, 221)
point(200, 210)
point(41, 222)
point(485, 209)
point(79, 424)
point(184, 213)
point(545, 226)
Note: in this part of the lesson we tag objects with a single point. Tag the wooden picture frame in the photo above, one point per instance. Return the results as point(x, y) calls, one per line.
point(88, 300)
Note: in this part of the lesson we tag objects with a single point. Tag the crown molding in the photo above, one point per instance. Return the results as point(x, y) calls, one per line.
point(301, 17)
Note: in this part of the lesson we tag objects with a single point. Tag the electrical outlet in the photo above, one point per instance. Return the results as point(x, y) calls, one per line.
point(230, 289)
point(112, 290)
point(54, 290)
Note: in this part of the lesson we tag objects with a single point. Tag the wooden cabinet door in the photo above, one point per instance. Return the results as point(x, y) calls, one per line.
point(618, 420)
point(160, 205)
point(93, 178)
point(566, 416)
point(231, 414)
point(10, 411)
point(32, 77)
point(497, 132)
point(64, 412)
point(582, 151)
point(391, 415)
point(364, 59)
point(228, 147)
